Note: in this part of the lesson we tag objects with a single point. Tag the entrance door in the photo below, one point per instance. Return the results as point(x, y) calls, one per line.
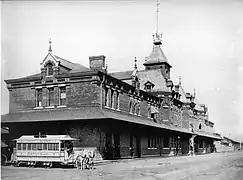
point(116, 145)
point(138, 147)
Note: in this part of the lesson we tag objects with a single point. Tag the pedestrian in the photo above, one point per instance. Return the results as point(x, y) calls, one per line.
point(131, 149)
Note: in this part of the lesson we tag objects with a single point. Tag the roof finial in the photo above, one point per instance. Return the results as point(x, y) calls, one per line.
point(157, 16)
point(135, 65)
point(157, 37)
point(50, 50)
point(179, 80)
point(194, 92)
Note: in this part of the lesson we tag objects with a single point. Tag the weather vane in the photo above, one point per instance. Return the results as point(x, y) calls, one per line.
point(50, 45)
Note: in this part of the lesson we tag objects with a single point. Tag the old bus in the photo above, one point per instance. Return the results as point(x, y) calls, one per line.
point(44, 150)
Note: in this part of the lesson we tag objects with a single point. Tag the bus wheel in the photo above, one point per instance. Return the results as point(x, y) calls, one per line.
point(3, 160)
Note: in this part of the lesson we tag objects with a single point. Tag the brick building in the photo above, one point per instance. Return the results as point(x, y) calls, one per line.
point(110, 112)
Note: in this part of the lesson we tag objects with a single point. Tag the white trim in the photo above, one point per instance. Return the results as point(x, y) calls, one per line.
point(38, 87)
point(152, 148)
point(61, 106)
point(61, 85)
point(49, 107)
point(41, 107)
point(166, 148)
point(50, 86)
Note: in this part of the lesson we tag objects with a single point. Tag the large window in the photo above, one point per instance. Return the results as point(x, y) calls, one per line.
point(166, 142)
point(106, 96)
point(38, 97)
point(50, 96)
point(112, 99)
point(152, 142)
point(117, 101)
point(62, 96)
point(49, 69)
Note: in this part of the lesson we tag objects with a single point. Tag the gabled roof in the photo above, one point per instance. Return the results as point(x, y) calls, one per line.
point(198, 106)
point(156, 56)
point(74, 67)
point(71, 68)
point(156, 77)
point(122, 75)
point(183, 95)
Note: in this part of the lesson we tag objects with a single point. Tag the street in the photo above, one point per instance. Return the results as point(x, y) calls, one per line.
point(202, 167)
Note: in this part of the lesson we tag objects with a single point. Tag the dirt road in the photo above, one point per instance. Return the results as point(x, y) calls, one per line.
point(224, 166)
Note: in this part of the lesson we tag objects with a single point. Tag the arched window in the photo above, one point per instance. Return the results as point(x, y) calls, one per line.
point(49, 69)
point(200, 126)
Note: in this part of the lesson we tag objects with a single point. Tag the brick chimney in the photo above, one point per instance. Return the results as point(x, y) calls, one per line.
point(97, 63)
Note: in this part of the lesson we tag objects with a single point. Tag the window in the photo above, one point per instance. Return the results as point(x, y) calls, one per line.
point(24, 146)
point(39, 146)
point(62, 96)
point(152, 142)
point(106, 96)
point(19, 146)
point(50, 97)
point(112, 98)
point(117, 101)
point(200, 126)
point(148, 88)
point(28, 146)
point(166, 142)
point(38, 97)
point(130, 106)
point(34, 146)
point(149, 112)
point(49, 69)
point(44, 146)
point(53, 146)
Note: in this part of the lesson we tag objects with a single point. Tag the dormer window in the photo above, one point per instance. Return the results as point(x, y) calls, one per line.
point(148, 86)
point(49, 69)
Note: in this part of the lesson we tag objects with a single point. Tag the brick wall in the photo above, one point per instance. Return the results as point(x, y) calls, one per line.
point(84, 93)
point(21, 99)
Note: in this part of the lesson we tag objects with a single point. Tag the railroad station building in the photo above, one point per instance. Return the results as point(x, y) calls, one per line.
point(110, 112)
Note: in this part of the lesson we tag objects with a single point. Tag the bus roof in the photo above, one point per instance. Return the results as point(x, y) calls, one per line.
point(46, 137)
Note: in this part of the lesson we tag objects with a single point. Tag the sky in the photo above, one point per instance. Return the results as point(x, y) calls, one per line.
point(202, 40)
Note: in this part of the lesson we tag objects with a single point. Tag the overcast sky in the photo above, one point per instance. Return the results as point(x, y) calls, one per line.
point(203, 41)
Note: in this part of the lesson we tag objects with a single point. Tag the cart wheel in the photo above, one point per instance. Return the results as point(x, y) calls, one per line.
point(3, 160)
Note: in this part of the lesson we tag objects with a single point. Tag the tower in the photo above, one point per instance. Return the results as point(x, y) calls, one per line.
point(157, 58)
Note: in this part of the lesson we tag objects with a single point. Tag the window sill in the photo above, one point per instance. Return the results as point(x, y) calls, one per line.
point(152, 148)
point(38, 107)
point(61, 106)
point(49, 107)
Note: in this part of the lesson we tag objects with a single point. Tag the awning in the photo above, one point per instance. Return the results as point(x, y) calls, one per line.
point(207, 135)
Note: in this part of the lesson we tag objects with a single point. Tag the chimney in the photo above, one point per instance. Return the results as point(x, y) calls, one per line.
point(97, 63)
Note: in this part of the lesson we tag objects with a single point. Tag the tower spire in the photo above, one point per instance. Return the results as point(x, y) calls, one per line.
point(50, 50)
point(179, 80)
point(157, 16)
point(135, 65)
point(157, 37)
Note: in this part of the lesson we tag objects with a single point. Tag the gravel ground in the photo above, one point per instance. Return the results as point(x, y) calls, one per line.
point(215, 166)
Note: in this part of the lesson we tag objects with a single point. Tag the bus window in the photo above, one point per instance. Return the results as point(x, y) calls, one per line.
point(62, 146)
point(28, 146)
point(44, 146)
point(56, 147)
point(39, 146)
point(50, 146)
point(24, 146)
point(19, 146)
point(34, 146)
